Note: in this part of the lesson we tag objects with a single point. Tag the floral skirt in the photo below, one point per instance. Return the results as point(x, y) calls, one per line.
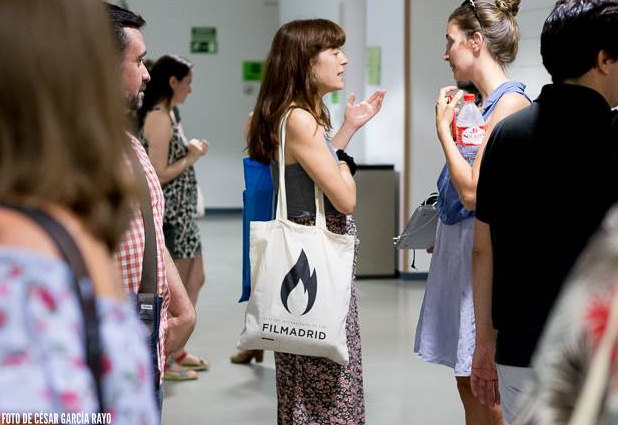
point(318, 391)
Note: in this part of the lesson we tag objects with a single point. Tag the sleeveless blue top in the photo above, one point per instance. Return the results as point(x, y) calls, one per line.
point(450, 208)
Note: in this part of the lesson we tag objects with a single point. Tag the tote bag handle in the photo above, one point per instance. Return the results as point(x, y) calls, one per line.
point(588, 403)
point(282, 206)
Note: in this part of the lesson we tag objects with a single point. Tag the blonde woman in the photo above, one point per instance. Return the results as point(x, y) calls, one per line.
point(481, 40)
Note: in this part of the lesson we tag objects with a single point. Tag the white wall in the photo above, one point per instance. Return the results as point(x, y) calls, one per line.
point(290, 10)
point(218, 106)
point(429, 73)
point(384, 137)
point(528, 66)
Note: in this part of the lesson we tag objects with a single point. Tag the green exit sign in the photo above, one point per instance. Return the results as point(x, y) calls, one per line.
point(252, 71)
point(204, 40)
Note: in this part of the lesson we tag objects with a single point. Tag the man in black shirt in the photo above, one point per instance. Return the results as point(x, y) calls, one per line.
point(548, 176)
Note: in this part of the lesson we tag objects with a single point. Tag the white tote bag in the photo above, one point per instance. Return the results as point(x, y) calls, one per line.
point(301, 280)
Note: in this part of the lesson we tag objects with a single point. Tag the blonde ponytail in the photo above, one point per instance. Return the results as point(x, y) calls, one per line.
point(508, 7)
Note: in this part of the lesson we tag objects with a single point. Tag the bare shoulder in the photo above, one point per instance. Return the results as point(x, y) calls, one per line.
point(158, 122)
point(302, 125)
point(157, 115)
point(19, 231)
point(511, 102)
point(508, 104)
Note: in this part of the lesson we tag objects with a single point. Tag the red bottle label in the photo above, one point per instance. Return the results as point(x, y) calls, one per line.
point(471, 136)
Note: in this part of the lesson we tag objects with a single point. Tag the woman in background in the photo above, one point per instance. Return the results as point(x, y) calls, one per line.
point(481, 40)
point(304, 64)
point(173, 158)
point(62, 151)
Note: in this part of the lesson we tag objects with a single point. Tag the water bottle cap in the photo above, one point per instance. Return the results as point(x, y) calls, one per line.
point(469, 97)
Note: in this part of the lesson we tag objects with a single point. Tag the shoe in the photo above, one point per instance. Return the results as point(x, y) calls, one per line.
point(175, 372)
point(189, 361)
point(245, 356)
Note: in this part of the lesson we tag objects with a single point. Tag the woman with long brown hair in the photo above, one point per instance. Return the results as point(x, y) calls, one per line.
point(305, 63)
point(69, 339)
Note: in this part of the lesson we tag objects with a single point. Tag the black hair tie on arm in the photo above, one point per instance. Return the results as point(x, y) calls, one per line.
point(342, 156)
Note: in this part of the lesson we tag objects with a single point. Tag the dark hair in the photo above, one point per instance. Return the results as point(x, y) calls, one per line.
point(158, 88)
point(288, 79)
point(575, 32)
point(62, 139)
point(120, 19)
point(469, 87)
point(148, 63)
point(496, 21)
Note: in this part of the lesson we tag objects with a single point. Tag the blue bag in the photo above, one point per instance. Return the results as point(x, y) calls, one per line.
point(257, 201)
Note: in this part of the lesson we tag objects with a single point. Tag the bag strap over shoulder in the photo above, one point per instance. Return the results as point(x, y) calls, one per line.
point(149, 264)
point(82, 286)
point(282, 207)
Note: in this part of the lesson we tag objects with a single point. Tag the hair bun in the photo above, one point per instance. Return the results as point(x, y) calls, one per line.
point(508, 7)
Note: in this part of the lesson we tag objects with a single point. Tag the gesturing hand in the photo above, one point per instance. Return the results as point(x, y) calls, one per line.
point(358, 115)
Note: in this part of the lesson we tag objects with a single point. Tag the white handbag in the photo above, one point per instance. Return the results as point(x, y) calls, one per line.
point(420, 232)
point(301, 279)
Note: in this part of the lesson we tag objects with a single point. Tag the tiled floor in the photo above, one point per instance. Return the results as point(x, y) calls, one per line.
point(399, 388)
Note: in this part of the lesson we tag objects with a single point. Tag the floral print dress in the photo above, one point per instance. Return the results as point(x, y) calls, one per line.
point(315, 390)
point(42, 358)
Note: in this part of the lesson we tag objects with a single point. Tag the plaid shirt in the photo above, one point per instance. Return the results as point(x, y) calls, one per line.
point(130, 254)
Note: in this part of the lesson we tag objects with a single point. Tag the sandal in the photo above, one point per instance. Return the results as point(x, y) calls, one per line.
point(189, 361)
point(175, 372)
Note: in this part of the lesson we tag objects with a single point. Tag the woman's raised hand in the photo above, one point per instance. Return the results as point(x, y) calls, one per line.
point(445, 108)
point(358, 115)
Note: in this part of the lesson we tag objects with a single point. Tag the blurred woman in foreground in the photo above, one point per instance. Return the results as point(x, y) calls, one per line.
point(65, 345)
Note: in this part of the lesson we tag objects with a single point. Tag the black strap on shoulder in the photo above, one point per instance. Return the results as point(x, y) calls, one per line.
point(81, 284)
point(149, 263)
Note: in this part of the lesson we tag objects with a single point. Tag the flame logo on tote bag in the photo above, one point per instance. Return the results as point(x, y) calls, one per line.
point(300, 272)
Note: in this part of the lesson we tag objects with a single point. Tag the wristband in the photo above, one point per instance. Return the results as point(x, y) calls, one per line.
point(342, 156)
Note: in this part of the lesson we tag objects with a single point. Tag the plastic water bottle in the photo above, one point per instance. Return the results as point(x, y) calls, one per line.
point(470, 125)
